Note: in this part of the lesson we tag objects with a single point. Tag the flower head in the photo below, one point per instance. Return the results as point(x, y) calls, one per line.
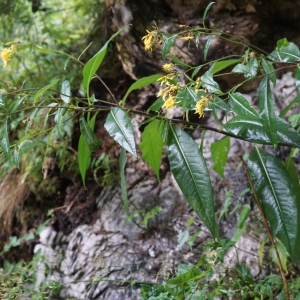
point(171, 90)
point(200, 105)
point(187, 37)
point(170, 102)
point(149, 40)
point(6, 53)
point(168, 67)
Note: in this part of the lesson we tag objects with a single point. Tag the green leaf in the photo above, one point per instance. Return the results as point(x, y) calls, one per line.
point(207, 44)
point(251, 129)
point(15, 159)
point(141, 83)
point(289, 106)
point(178, 62)
point(244, 273)
point(241, 106)
point(84, 151)
point(189, 169)
point(187, 98)
point(289, 53)
point(218, 103)
point(44, 89)
point(221, 65)
point(61, 111)
point(2, 103)
point(283, 255)
point(282, 43)
point(269, 70)
point(152, 145)
point(209, 83)
point(196, 70)
point(94, 63)
point(168, 43)
point(266, 106)
point(248, 127)
point(278, 199)
point(88, 134)
point(205, 13)
point(156, 105)
point(183, 238)
point(293, 173)
point(219, 153)
point(5, 141)
point(65, 91)
point(249, 70)
point(119, 127)
point(297, 79)
point(122, 163)
point(224, 211)
point(252, 67)
point(241, 226)
point(240, 68)
point(17, 104)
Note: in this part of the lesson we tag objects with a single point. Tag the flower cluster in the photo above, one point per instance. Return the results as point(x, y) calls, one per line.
point(168, 67)
point(149, 40)
point(200, 105)
point(169, 93)
point(6, 53)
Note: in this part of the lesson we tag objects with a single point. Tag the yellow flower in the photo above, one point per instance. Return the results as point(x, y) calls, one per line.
point(7, 53)
point(170, 103)
point(200, 105)
point(168, 67)
point(165, 79)
point(187, 37)
point(149, 40)
point(171, 90)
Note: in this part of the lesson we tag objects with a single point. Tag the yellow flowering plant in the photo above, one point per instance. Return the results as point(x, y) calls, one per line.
point(195, 90)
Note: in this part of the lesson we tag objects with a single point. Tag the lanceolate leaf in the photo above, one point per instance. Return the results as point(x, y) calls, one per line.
point(122, 163)
point(187, 98)
point(41, 91)
point(5, 141)
point(241, 226)
point(156, 105)
point(94, 63)
point(84, 152)
point(249, 70)
point(152, 145)
point(289, 53)
point(297, 79)
point(293, 173)
point(252, 66)
point(221, 65)
point(288, 107)
point(207, 47)
point(65, 91)
point(241, 106)
point(269, 70)
point(141, 83)
point(278, 198)
point(119, 127)
point(219, 152)
point(88, 135)
point(178, 62)
point(266, 106)
point(251, 129)
point(189, 169)
point(209, 83)
point(168, 43)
